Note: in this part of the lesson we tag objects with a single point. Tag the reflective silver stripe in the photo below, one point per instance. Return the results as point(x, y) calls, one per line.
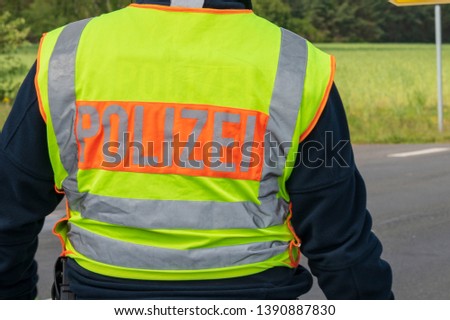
point(202, 215)
point(84, 133)
point(188, 3)
point(61, 96)
point(137, 256)
point(138, 143)
point(222, 142)
point(201, 116)
point(284, 109)
point(118, 112)
point(248, 143)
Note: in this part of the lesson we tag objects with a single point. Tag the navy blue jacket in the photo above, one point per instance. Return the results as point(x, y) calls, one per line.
point(327, 192)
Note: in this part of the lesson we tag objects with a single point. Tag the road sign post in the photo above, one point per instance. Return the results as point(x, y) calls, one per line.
point(439, 67)
point(438, 20)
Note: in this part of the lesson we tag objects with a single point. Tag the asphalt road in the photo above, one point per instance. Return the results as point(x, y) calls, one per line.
point(409, 198)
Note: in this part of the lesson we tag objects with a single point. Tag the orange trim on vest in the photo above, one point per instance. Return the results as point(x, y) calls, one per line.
point(195, 10)
point(294, 245)
point(36, 82)
point(59, 191)
point(131, 136)
point(64, 251)
point(323, 102)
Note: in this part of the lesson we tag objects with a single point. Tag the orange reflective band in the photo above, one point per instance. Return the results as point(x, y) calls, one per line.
point(163, 138)
point(36, 81)
point(322, 103)
point(294, 245)
point(184, 9)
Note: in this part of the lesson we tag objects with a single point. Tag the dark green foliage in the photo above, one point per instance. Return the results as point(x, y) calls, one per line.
point(12, 35)
point(45, 15)
point(359, 20)
point(318, 20)
point(274, 10)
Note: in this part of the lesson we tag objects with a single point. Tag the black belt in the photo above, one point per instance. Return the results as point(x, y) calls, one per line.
point(61, 288)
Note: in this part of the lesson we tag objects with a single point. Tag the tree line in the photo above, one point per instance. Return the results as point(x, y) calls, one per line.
point(318, 20)
point(355, 20)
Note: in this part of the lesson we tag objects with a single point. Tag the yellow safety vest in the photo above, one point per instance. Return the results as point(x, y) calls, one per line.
point(172, 132)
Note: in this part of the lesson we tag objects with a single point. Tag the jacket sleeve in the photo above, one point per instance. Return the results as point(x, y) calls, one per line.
point(328, 198)
point(26, 193)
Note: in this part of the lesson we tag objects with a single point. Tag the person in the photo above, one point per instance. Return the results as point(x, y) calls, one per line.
point(200, 148)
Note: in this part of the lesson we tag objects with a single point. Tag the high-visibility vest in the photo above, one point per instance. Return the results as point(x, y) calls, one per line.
point(172, 132)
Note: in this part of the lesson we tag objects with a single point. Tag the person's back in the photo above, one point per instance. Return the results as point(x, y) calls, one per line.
point(186, 126)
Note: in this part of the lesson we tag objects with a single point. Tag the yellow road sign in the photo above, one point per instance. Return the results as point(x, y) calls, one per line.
point(418, 2)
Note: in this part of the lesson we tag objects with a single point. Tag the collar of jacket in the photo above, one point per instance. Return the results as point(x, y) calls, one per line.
point(213, 4)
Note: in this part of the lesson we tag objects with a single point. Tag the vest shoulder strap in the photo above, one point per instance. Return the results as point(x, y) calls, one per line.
point(318, 82)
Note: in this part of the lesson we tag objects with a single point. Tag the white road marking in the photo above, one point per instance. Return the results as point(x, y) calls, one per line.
point(418, 153)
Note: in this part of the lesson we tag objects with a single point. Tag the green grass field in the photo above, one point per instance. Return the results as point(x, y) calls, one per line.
point(4, 110)
point(389, 90)
point(28, 56)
